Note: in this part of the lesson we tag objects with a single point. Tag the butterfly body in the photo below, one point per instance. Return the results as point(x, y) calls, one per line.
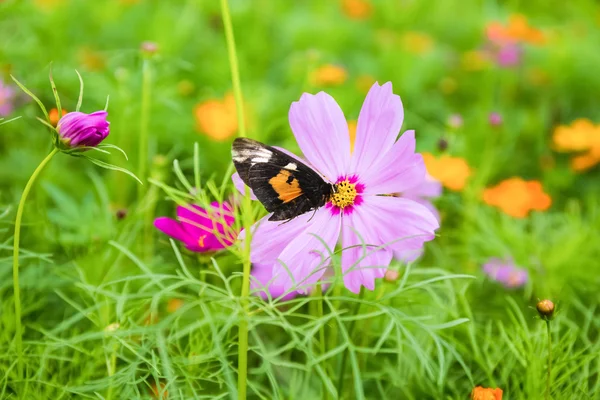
point(284, 185)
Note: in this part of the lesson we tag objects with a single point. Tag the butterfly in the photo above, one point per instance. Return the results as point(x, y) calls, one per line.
point(284, 185)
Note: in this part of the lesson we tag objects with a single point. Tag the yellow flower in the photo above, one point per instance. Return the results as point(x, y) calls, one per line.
point(329, 75)
point(517, 197)
point(417, 42)
point(481, 393)
point(217, 118)
point(357, 9)
point(452, 172)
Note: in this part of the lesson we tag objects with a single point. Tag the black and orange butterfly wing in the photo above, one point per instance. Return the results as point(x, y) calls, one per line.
point(283, 184)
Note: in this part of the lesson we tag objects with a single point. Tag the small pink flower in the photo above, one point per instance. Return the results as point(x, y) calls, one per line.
point(508, 55)
point(77, 129)
point(200, 230)
point(495, 119)
point(506, 273)
point(455, 121)
point(372, 228)
point(7, 98)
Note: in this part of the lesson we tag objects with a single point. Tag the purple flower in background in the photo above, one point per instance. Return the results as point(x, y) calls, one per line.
point(506, 273)
point(508, 55)
point(372, 228)
point(495, 119)
point(200, 230)
point(77, 129)
point(7, 97)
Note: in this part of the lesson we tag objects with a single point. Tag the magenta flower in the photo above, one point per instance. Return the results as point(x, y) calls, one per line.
point(508, 55)
point(506, 273)
point(372, 228)
point(77, 129)
point(495, 119)
point(200, 230)
point(7, 96)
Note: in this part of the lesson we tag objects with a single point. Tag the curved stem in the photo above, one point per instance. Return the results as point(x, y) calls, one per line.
point(549, 376)
point(246, 205)
point(17, 239)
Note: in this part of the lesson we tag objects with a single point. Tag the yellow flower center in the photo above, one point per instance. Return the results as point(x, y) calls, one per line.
point(201, 240)
point(345, 193)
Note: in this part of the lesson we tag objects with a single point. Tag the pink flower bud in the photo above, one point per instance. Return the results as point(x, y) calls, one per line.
point(77, 129)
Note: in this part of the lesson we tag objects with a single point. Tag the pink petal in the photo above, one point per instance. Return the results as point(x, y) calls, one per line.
point(305, 258)
point(402, 224)
point(362, 261)
point(269, 238)
point(241, 186)
point(262, 283)
point(398, 170)
point(322, 133)
point(429, 187)
point(379, 123)
point(173, 228)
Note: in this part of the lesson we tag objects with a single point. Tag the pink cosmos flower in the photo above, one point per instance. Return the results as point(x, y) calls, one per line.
point(508, 55)
point(200, 230)
point(371, 223)
point(77, 129)
point(506, 273)
point(7, 96)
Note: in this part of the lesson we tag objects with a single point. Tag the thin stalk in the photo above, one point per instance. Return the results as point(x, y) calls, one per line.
point(144, 126)
point(340, 384)
point(549, 376)
point(320, 314)
point(246, 206)
point(17, 240)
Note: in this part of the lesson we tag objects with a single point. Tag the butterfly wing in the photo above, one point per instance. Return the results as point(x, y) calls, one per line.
point(284, 185)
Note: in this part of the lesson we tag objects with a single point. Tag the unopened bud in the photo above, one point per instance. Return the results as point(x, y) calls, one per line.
point(391, 275)
point(546, 309)
point(442, 144)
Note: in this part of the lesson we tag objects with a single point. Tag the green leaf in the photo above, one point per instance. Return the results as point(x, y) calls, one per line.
point(111, 167)
point(33, 96)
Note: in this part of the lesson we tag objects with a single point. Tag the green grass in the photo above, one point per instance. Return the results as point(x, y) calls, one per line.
point(437, 332)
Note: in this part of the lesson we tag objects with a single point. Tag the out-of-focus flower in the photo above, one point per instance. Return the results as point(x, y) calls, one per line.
point(452, 172)
point(174, 305)
point(91, 59)
point(481, 393)
point(158, 391)
point(448, 85)
point(508, 55)
point(263, 283)
point(217, 118)
point(112, 327)
point(352, 132)
point(296, 253)
point(200, 230)
point(505, 272)
point(329, 75)
point(7, 96)
point(546, 309)
point(417, 42)
point(148, 48)
point(54, 117)
point(581, 136)
point(517, 30)
point(517, 197)
point(357, 9)
point(364, 83)
point(474, 60)
point(455, 121)
point(77, 129)
point(495, 119)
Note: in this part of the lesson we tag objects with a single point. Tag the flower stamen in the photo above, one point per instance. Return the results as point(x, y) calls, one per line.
point(345, 193)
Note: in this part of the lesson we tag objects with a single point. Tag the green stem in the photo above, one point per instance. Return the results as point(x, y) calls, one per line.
point(549, 376)
point(340, 385)
point(144, 126)
point(320, 314)
point(246, 206)
point(17, 240)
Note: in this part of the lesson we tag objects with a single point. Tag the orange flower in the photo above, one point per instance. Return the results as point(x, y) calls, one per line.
point(53, 116)
point(352, 131)
point(517, 30)
point(481, 393)
point(174, 305)
point(581, 135)
point(517, 197)
point(452, 172)
point(217, 118)
point(329, 75)
point(417, 42)
point(357, 9)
